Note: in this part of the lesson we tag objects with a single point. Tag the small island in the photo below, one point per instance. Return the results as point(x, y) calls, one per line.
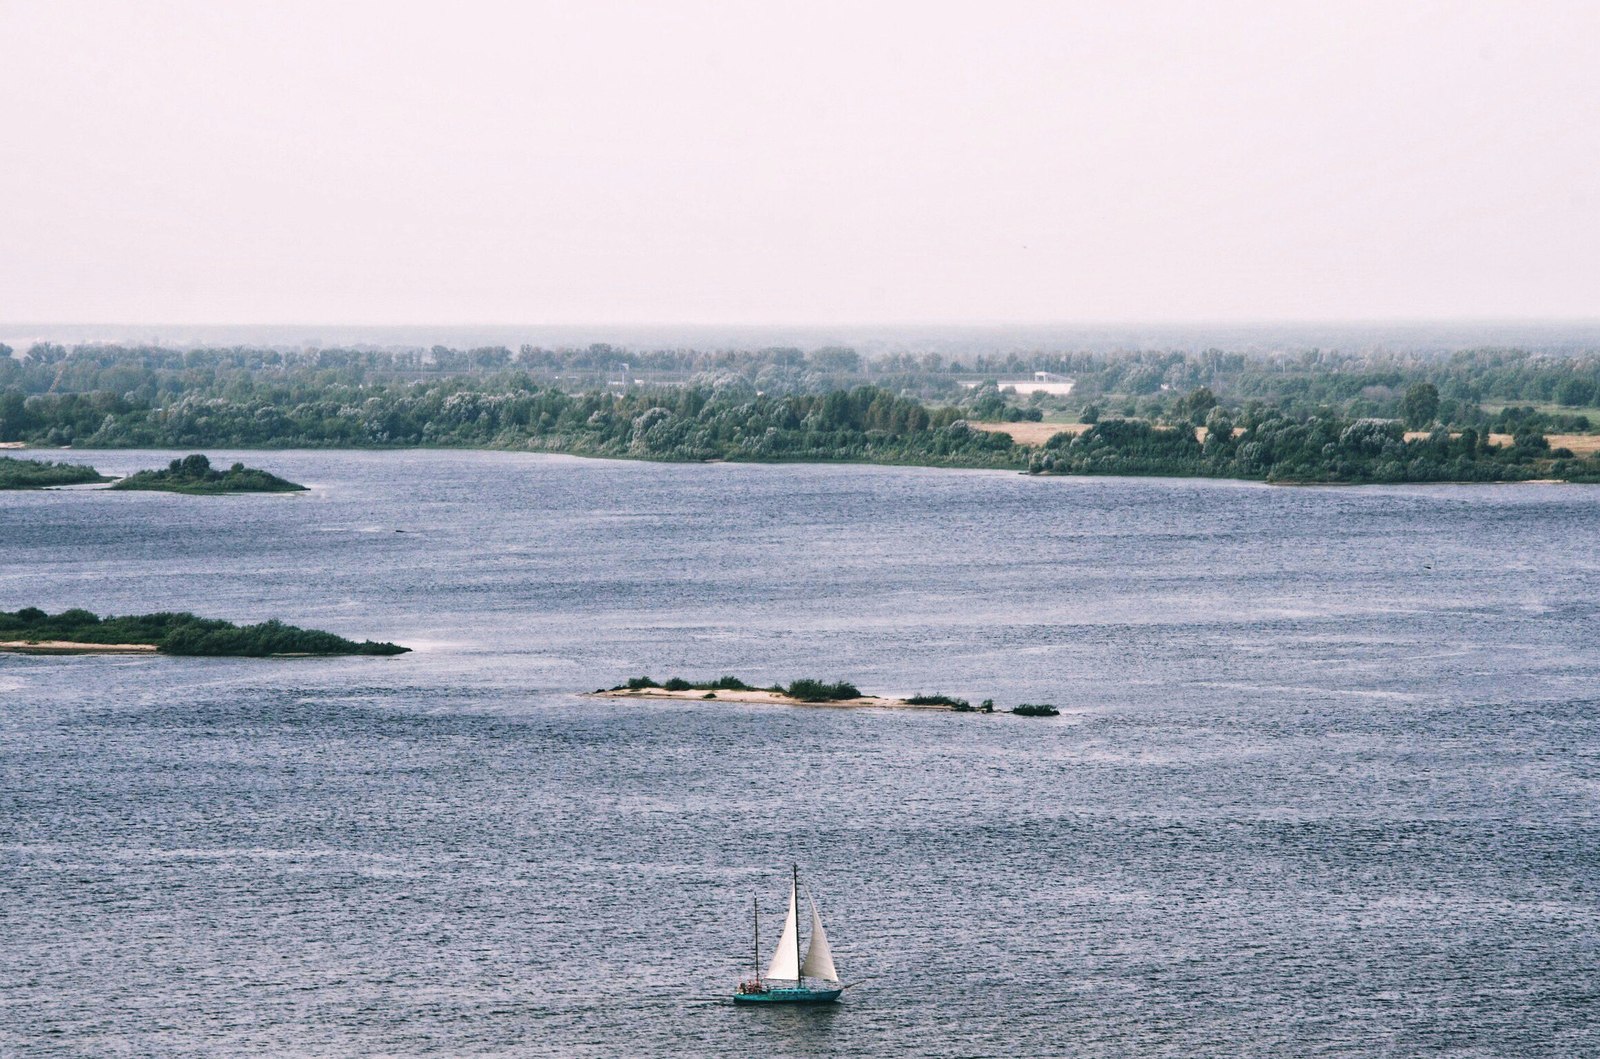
point(194, 475)
point(42, 474)
point(804, 692)
point(32, 631)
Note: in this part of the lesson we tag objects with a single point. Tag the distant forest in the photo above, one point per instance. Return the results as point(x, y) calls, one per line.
point(1312, 416)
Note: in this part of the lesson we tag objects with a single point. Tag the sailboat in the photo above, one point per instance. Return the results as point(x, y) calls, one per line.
point(792, 978)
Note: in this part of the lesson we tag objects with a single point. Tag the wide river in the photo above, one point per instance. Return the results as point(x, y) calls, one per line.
point(1326, 780)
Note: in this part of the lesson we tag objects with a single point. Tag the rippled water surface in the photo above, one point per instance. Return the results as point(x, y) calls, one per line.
point(1325, 780)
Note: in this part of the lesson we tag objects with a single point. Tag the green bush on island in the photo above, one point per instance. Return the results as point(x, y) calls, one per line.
point(959, 705)
point(194, 474)
point(182, 634)
point(818, 691)
point(39, 474)
point(1041, 709)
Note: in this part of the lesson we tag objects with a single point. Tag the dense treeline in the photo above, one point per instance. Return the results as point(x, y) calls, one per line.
point(182, 634)
point(39, 474)
point(676, 423)
point(87, 383)
point(1270, 446)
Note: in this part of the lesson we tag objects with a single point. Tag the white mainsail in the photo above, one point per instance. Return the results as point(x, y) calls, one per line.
point(786, 960)
point(819, 958)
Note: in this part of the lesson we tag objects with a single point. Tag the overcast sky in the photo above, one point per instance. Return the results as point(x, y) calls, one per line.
point(596, 162)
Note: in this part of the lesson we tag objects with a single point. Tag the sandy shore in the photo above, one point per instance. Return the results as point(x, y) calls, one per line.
point(767, 698)
point(70, 647)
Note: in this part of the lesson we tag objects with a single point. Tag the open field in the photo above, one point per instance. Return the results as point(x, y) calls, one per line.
point(1546, 407)
point(1031, 433)
point(1580, 444)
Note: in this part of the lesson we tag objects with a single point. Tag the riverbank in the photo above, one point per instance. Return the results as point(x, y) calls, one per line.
point(1275, 450)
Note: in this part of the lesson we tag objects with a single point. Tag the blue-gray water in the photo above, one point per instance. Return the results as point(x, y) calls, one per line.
point(1325, 782)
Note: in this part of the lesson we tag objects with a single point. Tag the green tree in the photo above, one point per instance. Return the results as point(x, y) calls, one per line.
point(1421, 405)
point(1574, 392)
point(1198, 404)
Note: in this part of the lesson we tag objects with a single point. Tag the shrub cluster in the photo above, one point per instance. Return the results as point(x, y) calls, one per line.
point(939, 700)
point(724, 683)
point(819, 691)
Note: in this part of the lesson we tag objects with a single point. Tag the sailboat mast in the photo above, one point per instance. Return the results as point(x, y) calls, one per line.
point(794, 902)
point(755, 912)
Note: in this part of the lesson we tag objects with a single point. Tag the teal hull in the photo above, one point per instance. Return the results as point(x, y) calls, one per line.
point(789, 996)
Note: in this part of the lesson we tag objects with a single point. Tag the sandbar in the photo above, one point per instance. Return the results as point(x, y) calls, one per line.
point(72, 647)
point(767, 698)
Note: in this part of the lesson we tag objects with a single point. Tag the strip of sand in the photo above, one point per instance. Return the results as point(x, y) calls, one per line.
point(72, 647)
point(767, 698)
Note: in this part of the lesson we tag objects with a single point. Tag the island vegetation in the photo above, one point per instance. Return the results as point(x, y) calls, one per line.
point(194, 474)
point(177, 634)
point(1484, 415)
point(41, 474)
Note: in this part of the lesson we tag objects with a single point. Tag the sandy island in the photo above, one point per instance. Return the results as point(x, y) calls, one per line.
point(71, 647)
point(769, 698)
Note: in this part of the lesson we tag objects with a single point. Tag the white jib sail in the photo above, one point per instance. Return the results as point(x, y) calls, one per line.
point(819, 959)
point(787, 958)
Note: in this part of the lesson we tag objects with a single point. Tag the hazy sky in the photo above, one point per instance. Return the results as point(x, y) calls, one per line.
point(797, 163)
